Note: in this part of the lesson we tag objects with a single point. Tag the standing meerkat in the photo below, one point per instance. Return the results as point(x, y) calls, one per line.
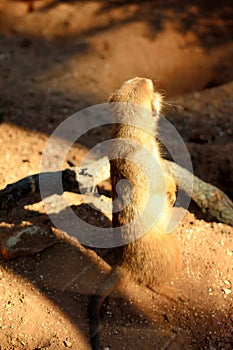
point(141, 207)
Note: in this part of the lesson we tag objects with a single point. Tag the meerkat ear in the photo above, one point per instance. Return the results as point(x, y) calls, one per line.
point(157, 103)
point(110, 99)
point(114, 97)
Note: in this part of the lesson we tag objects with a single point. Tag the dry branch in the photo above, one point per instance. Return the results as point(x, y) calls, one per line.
point(208, 197)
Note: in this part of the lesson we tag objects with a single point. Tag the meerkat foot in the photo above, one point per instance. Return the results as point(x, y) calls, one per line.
point(171, 189)
point(174, 294)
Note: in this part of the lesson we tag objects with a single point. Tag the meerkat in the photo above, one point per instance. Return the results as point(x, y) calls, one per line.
point(150, 255)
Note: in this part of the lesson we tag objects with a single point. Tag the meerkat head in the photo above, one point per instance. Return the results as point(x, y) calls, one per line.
point(139, 91)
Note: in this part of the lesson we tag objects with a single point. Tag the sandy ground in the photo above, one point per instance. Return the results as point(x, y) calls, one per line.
point(57, 57)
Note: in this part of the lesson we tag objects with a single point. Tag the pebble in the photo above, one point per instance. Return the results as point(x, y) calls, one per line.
point(68, 343)
point(226, 291)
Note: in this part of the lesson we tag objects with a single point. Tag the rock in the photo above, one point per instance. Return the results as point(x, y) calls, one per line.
point(27, 241)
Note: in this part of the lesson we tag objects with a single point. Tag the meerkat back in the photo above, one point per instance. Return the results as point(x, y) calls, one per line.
point(136, 157)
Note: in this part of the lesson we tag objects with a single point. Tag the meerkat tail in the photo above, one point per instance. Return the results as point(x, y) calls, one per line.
point(113, 280)
point(94, 309)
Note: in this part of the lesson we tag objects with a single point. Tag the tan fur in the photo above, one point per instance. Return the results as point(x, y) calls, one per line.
point(152, 259)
